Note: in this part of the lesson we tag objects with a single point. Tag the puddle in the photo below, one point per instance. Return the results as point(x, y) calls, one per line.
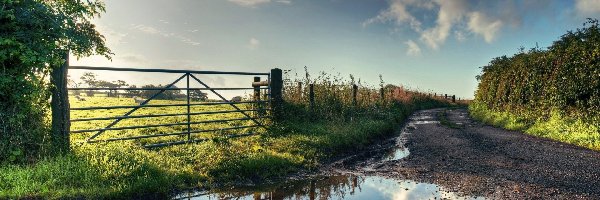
point(426, 122)
point(336, 187)
point(344, 186)
point(396, 154)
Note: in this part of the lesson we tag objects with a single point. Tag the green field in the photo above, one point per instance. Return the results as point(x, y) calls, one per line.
point(114, 101)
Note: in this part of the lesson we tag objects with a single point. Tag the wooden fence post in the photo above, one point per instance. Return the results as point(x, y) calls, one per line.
point(382, 93)
point(299, 89)
point(453, 98)
point(60, 107)
point(276, 93)
point(354, 92)
point(311, 96)
point(257, 106)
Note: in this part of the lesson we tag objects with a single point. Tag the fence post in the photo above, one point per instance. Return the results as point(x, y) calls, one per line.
point(60, 107)
point(258, 107)
point(445, 96)
point(311, 96)
point(276, 93)
point(453, 98)
point(354, 91)
point(299, 91)
point(381, 92)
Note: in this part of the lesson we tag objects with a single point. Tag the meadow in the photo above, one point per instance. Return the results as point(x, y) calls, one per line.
point(307, 137)
point(103, 101)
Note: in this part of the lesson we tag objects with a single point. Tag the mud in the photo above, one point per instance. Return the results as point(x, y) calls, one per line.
point(431, 161)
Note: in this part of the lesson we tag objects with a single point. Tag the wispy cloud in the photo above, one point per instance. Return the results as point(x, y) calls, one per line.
point(284, 1)
point(463, 18)
point(256, 3)
point(253, 43)
point(588, 7)
point(413, 48)
point(154, 31)
point(112, 36)
point(482, 25)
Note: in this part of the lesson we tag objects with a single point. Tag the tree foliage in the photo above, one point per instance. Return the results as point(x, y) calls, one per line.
point(534, 83)
point(34, 34)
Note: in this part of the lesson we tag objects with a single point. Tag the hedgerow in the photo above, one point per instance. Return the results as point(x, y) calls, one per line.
point(535, 86)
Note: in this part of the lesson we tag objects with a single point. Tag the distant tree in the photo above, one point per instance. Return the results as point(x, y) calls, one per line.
point(167, 94)
point(198, 95)
point(89, 79)
point(132, 93)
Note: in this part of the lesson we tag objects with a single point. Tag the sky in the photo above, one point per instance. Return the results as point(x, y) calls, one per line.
point(431, 45)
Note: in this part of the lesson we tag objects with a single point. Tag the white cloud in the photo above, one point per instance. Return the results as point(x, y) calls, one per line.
point(249, 3)
point(253, 43)
point(146, 29)
point(284, 1)
point(112, 37)
point(482, 25)
point(397, 13)
point(588, 7)
point(435, 20)
point(450, 13)
point(413, 48)
point(154, 31)
point(255, 3)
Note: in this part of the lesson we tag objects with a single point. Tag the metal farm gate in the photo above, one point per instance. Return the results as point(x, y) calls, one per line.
point(256, 110)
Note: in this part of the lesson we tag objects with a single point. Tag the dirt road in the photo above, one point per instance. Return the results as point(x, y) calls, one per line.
point(480, 160)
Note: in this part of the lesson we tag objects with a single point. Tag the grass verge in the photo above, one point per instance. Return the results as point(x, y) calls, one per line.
point(556, 127)
point(124, 170)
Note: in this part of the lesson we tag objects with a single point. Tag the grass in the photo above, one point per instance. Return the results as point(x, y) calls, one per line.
point(556, 127)
point(112, 101)
point(124, 169)
point(443, 117)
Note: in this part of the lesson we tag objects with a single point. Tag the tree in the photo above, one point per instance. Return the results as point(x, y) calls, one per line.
point(89, 79)
point(167, 94)
point(198, 95)
point(132, 93)
point(34, 35)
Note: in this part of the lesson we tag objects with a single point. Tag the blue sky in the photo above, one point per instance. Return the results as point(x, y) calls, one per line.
point(431, 45)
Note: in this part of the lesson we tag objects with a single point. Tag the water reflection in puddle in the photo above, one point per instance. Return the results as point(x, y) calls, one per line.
point(345, 186)
point(396, 154)
point(337, 187)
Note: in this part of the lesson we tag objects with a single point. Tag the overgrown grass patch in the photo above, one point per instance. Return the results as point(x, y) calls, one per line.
point(557, 127)
point(125, 170)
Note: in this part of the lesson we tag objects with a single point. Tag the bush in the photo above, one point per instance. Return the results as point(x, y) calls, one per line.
point(552, 93)
point(564, 78)
point(35, 35)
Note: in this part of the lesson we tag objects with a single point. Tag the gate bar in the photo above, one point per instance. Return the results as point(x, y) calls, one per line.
point(161, 125)
point(96, 88)
point(171, 134)
point(159, 115)
point(165, 70)
point(162, 105)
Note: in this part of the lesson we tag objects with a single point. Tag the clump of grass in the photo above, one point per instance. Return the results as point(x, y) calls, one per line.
point(557, 127)
point(443, 117)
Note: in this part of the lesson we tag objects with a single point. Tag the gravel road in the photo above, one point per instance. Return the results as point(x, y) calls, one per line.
point(480, 160)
